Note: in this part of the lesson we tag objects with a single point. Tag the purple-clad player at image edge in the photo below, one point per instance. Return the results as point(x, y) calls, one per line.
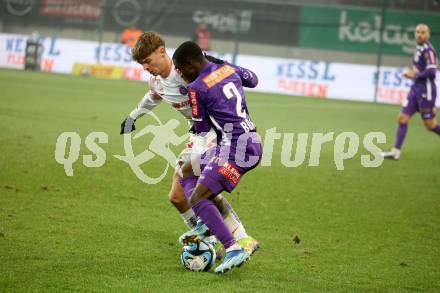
point(423, 92)
point(218, 101)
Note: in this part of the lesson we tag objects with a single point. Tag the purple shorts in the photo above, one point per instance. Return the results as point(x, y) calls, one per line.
point(421, 98)
point(225, 173)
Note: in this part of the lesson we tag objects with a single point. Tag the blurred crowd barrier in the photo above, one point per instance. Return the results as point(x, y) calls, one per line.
point(290, 76)
point(299, 29)
point(351, 49)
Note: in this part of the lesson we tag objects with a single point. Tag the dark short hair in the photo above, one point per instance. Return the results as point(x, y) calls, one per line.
point(187, 52)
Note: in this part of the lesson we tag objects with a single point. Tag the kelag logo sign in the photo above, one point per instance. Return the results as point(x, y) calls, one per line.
point(359, 30)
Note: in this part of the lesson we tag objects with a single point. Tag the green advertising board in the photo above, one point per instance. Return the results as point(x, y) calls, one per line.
point(359, 29)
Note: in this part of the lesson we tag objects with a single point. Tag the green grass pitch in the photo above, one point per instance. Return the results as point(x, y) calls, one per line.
point(360, 230)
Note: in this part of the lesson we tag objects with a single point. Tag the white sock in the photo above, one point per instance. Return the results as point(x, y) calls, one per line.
point(189, 218)
point(235, 226)
point(233, 247)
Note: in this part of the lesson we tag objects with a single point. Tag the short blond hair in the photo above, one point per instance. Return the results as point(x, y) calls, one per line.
point(146, 44)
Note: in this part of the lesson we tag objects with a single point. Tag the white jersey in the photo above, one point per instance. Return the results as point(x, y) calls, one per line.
point(172, 89)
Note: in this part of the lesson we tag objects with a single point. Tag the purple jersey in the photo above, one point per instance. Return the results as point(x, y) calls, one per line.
point(423, 93)
point(217, 99)
point(425, 60)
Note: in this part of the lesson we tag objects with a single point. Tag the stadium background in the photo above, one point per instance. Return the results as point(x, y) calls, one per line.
point(357, 230)
point(304, 48)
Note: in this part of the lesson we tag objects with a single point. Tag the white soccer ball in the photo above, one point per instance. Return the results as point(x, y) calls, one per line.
point(199, 257)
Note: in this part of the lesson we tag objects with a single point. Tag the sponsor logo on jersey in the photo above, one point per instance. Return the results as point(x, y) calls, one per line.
point(193, 101)
point(230, 172)
point(246, 75)
point(183, 91)
point(218, 75)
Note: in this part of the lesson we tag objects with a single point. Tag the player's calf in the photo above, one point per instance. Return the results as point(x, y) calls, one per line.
point(178, 199)
point(200, 193)
point(431, 125)
point(177, 195)
point(185, 170)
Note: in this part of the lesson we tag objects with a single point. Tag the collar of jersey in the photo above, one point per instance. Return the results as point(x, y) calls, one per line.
point(206, 68)
point(424, 46)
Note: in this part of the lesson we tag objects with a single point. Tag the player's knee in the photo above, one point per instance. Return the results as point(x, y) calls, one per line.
point(195, 198)
point(403, 119)
point(176, 197)
point(186, 170)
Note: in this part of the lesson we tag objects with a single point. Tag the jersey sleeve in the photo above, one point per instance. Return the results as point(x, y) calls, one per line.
point(150, 100)
point(198, 111)
point(248, 78)
point(431, 65)
point(430, 58)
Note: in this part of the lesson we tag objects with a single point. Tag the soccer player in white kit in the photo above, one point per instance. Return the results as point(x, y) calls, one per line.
point(166, 85)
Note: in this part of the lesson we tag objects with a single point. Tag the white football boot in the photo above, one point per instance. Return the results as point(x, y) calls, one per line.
point(234, 258)
point(393, 154)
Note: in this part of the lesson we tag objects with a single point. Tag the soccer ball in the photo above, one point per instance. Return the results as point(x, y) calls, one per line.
point(198, 256)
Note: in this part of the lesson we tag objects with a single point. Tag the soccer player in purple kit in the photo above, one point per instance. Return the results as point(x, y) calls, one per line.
point(167, 85)
point(218, 101)
point(423, 92)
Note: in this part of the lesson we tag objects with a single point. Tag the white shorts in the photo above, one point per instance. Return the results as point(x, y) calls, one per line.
point(197, 145)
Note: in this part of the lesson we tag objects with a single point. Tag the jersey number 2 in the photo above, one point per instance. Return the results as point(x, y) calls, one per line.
point(230, 91)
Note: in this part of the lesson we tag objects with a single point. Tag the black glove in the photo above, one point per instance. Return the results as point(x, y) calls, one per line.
point(192, 129)
point(214, 60)
point(127, 125)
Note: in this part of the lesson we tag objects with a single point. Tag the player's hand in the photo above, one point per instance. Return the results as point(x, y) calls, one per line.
point(213, 59)
point(127, 125)
point(192, 129)
point(410, 73)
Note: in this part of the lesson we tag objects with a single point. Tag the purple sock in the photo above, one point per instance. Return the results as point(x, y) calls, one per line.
point(209, 213)
point(400, 136)
point(188, 184)
point(437, 129)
